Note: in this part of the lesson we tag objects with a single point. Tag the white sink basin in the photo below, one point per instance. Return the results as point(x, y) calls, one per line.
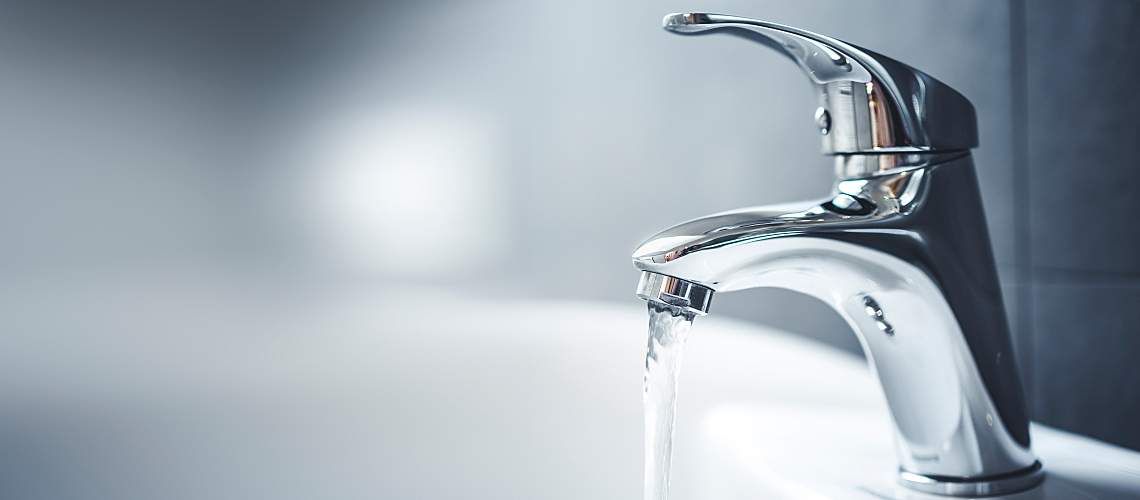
point(246, 394)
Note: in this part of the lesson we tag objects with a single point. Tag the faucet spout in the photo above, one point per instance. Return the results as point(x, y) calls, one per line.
point(903, 256)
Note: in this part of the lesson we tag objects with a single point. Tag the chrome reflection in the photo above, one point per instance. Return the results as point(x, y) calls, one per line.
point(900, 250)
point(942, 407)
point(691, 298)
point(872, 104)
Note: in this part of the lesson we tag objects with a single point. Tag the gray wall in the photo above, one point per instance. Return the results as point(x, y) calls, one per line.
point(1078, 256)
point(525, 148)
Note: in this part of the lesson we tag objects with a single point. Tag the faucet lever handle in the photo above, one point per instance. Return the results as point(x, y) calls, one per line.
point(869, 103)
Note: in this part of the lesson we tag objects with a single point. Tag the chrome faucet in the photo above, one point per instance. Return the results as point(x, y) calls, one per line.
point(900, 251)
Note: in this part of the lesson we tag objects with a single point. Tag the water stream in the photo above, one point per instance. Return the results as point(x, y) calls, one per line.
point(668, 329)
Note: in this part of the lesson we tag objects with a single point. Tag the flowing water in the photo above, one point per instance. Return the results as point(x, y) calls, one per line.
point(668, 329)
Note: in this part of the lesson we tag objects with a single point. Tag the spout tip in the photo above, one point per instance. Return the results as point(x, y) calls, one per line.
point(687, 296)
point(686, 22)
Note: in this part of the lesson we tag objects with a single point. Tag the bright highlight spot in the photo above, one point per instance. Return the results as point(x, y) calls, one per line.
point(410, 192)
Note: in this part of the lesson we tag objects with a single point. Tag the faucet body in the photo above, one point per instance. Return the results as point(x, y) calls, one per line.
point(900, 250)
point(904, 258)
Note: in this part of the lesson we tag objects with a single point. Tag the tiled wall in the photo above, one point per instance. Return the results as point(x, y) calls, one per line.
point(1081, 182)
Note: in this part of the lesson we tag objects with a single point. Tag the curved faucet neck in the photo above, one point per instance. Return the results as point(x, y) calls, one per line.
point(904, 258)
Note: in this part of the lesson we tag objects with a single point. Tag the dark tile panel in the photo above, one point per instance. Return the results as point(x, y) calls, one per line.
point(1083, 134)
point(1088, 360)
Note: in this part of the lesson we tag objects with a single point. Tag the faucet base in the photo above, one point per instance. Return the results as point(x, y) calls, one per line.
point(1002, 484)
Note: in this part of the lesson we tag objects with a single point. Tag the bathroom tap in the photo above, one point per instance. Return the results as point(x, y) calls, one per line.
point(900, 250)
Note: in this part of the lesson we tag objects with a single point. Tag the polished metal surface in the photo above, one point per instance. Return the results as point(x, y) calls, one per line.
point(857, 166)
point(935, 335)
point(975, 487)
point(875, 312)
point(900, 250)
point(873, 104)
point(692, 299)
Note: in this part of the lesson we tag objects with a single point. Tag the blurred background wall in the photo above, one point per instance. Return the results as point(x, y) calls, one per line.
point(514, 148)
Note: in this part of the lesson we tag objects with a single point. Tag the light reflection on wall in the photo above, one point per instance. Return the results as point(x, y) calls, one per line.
point(409, 190)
